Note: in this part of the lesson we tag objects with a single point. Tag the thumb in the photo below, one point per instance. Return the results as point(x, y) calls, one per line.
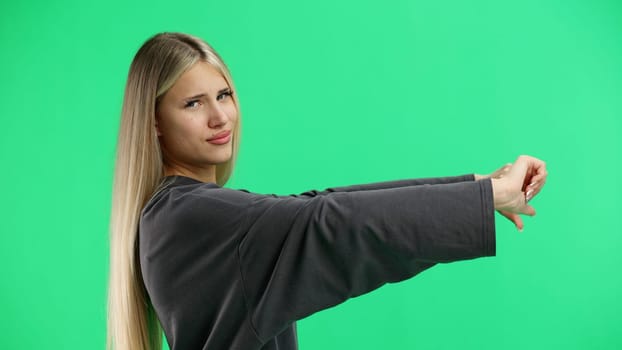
point(528, 210)
point(515, 218)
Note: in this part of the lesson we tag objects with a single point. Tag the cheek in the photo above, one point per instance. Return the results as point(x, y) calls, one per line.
point(232, 112)
point(183, 130)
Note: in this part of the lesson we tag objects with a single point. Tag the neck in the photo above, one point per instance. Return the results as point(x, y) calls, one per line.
point(203, 175)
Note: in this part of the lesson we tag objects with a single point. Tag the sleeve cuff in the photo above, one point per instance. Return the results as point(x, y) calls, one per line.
point(488, 218)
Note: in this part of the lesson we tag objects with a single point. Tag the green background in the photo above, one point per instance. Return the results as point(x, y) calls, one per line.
point(334, 93)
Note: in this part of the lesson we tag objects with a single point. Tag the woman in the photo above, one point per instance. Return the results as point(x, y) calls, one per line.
point(220, 268)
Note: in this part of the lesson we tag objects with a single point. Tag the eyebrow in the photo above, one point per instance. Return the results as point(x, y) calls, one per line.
point(205, 94)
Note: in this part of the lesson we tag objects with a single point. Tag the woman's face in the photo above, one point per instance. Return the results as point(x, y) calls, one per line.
point(191, 113)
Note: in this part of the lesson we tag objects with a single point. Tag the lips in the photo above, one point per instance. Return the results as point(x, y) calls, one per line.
point(220, 135)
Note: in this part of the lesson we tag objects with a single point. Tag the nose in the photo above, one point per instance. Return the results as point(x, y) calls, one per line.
point(217, 116)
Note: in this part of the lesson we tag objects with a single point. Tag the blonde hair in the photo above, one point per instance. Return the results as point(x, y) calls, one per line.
point(132, 322)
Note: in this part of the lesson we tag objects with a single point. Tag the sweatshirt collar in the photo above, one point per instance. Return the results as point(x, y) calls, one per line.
point(185, 180)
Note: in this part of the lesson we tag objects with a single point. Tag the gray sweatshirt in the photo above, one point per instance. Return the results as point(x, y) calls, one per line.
point(232, 269)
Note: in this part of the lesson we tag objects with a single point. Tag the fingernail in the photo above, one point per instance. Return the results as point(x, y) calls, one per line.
point(528, 196)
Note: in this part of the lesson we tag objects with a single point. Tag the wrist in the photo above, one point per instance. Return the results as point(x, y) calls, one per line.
point(499, 192)
point(478, 177)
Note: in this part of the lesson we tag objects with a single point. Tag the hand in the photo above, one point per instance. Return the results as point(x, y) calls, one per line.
point(518, 185)
point(497, 174)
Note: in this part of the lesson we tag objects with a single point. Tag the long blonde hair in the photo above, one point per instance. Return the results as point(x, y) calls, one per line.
point(160, 61)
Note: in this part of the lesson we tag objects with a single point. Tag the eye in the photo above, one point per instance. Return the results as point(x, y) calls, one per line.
point(226, 93)
point(191, 103)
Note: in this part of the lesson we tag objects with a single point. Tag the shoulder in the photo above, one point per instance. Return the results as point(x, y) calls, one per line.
point(201, 200)
point(184, 217)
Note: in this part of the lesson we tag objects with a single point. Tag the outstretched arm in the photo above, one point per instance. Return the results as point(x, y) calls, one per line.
point(386, 184)
point(410, 182)
point(299, 256)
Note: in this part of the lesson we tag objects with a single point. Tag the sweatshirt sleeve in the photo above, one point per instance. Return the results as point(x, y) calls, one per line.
point(390, 184)
point(300, 254)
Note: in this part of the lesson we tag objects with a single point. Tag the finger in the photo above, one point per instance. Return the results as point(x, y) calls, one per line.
point(533, 191)
point(527, 179)
point(530, 178)
point(520, 168)
point(539, 177)
point(518, 175)
point(535, 187)
point(534, 163)
point(539, 167)
point(536, 166)
point(526, 168)
point(536, 183)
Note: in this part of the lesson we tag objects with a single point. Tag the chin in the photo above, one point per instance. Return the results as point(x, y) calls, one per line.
point(222, 159)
